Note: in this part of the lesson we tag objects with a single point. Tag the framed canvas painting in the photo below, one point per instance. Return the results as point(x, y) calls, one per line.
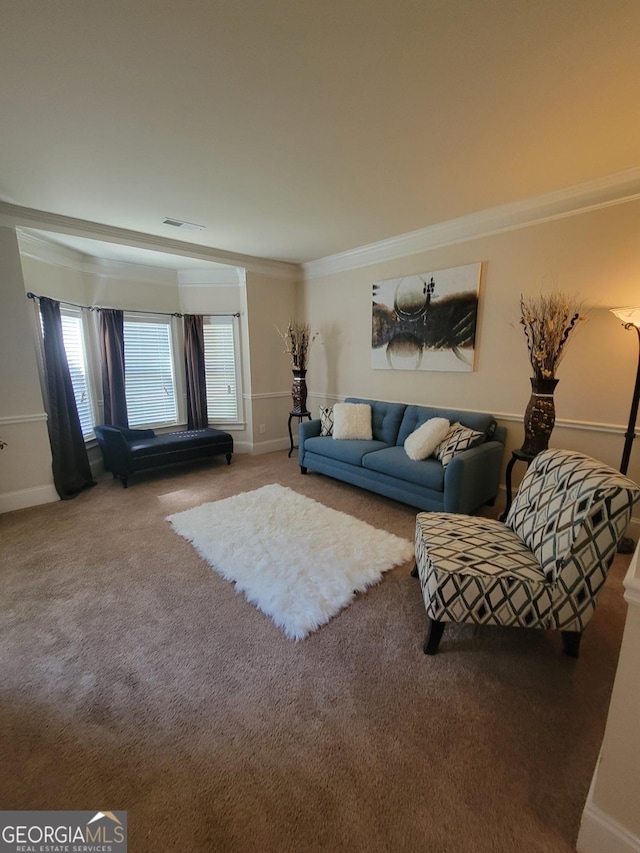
point(426, 321)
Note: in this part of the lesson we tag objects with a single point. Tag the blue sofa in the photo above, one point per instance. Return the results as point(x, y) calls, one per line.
point(381, 465)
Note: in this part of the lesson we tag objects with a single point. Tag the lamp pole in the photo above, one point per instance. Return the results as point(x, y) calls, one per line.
point(630, 434)
point(630, 320)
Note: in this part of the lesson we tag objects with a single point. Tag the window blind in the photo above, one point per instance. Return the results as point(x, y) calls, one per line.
point(221, 369)
point(73, 339)
point(149, 378)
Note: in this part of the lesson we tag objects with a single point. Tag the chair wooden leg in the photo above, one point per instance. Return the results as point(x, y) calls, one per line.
point(571, 643)
point(414, 571)
point(434, 635)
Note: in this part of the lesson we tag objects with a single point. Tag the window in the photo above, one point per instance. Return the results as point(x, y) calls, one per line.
point(73, 338)
point(222, 370)
point(148, 373)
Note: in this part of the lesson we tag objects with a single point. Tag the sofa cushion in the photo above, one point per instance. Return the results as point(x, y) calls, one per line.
point(175, 441)
point(352, 421)
point(415, 416)
point(343, 451)
point(423, 441)
point(385, 418)
point(395, 462)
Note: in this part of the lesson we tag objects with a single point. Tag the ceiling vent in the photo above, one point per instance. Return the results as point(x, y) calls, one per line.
point(186, 226)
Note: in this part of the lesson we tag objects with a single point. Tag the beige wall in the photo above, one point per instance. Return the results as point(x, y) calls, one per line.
point(594, 255)
point(617, 786)
point(132, 294)
point(208, 299)
point(25, 464)
point(611, 819)
point(55, 281)
point(271, 302)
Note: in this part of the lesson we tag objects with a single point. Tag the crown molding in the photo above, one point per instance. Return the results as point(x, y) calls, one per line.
point(569, 201)
point(14, 216)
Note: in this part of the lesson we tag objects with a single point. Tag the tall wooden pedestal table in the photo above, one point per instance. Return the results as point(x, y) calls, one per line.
point(300, 415)
point(516, 456)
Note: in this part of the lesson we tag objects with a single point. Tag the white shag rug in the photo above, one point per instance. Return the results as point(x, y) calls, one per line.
point(298, 561)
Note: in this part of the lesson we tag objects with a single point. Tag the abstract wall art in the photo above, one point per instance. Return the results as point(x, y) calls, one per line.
point(426, 321)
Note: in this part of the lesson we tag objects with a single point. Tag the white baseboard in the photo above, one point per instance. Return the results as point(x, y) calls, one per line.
point(28, 497)
point(599, 832)
point(260, 447)
point(241, 447)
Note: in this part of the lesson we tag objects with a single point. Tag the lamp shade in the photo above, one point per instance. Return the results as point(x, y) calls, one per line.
point(629, 316)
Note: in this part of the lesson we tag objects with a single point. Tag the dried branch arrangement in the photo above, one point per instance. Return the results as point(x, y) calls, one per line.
point(548, 323)
point(297, 340)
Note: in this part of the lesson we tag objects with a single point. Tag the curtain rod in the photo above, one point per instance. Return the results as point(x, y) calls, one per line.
point(31, 295)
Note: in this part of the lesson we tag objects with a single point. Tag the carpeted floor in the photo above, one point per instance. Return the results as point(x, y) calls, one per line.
point(133, 677)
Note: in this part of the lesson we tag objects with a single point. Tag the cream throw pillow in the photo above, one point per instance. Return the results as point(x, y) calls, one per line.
point(352, 420)
point(423, 441)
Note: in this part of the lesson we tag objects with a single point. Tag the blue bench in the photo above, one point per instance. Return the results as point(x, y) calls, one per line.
point(127, 451)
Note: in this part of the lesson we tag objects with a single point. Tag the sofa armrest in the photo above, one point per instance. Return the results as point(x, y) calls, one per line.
point(135, 434)
point(472, 478)
point(115, 448)
point(306, 429)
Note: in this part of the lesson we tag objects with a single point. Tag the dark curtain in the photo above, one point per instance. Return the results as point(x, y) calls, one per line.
point(112, 356)
point(197, 417)
point(71, 471)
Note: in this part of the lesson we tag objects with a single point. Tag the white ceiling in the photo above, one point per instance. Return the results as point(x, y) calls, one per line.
point(296, 129)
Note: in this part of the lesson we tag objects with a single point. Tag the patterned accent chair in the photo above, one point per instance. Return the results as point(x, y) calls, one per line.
point(543, 567)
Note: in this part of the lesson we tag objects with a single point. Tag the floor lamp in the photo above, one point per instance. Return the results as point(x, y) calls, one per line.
point(630, 318)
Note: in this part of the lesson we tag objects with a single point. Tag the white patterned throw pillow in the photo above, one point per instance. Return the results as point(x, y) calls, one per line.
point(459, 438)
point(352, 421)
point(326, 420)
point(423, 441)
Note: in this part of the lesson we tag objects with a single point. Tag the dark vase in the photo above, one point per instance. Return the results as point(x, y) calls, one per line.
point(299, 393)
point(540, 416)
